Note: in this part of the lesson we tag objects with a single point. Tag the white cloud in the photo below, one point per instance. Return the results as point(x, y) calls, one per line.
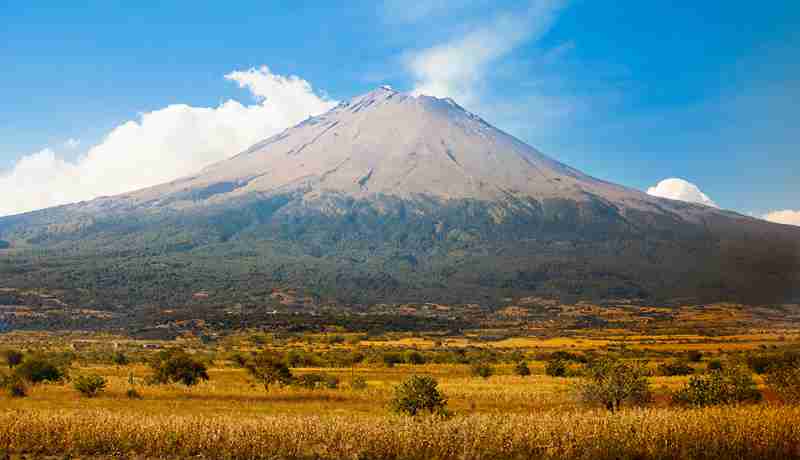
point(72, 143)
point(679, 189)
point(162, 145)
point(787, 216)
point(458, 68)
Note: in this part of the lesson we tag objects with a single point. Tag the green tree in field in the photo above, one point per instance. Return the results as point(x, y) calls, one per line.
point(89, 385)
point(556, 368)
point(482, 370)
point(785, 382)
point(13, 385)
point(732, 385)
point(612, 383)
point(177, 367)
point(13, 358)
point(268, 370)
point(522, 369)
point(120, 359)
point(419, 395)
point(37, 370)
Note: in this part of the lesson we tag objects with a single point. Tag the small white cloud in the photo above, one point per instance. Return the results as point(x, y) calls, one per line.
point(72, 143)
point(458, 68)
point(679, 189)
point(787, 216)
point(162, 145)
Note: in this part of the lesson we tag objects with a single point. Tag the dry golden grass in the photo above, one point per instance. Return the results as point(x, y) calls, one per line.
point(724, 433)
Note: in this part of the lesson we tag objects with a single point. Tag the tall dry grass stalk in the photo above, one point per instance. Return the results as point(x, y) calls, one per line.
point(764, 432)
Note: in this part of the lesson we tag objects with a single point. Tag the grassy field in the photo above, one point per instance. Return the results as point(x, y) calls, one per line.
point(503, 416)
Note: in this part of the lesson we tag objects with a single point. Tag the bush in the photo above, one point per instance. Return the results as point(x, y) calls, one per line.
point(13, 358)
point(120, 359)
point(89, 385)
point(482, 370)
point(675, 368)
point(133, 394)
point(358, 383)
point(419, 394)
point(785, 382)
point(390, 359)
point(177, 367)
point(14, 386)
point(733, 385)
point(522, 369)
point(315, 380)
point(613, 383)
point(414, 357)
point(268, 370)
point(714, 365)
point(38, 370)
point(694, 356)
point(556, 368)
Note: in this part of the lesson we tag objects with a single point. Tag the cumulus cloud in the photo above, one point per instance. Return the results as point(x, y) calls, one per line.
point(162, 145)
point(72, 143)
point(787, 216)
point(679, 189)
point(458, 68)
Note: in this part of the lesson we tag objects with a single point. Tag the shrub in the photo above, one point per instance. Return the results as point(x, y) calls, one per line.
point(714, 365)
point(481, 370)
point(315, 380)
point(177, 367)
point(14, 386)
point(358, 383)
point(390, 359)
point(719, 387)
point(419, 394)
point(89, 385)
point(785, 382)
point(13, 358)
point(120, 359)
point(694, 356)
point(675, 368)
point(522, 369)
point(133, 394)
point(268, 370)
point(414, 357)
point(613, 383)
point(556, 368)
point(38, 370)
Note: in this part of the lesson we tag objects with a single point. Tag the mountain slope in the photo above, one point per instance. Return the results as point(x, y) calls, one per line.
point(391, 197)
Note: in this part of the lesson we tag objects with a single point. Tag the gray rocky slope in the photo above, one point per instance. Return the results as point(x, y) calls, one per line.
point(394, 197)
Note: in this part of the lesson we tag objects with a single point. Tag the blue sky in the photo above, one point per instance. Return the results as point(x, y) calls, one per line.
point(632, 92)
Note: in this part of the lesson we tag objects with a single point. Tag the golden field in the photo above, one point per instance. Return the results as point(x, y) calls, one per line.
point(503, 416)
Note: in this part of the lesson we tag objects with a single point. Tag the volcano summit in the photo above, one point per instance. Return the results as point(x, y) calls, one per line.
point(391, 197)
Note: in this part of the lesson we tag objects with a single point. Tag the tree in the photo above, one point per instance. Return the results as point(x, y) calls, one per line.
point(419, 394)
point(414, 357)
point(14, 385)
point(37, 370)
point(675, 368)
point(268, 370)
point(522, 369)
point(613, 383)
point(482, 370)
point(785, 382)
point(120, 359)
point(732, 385)
point(556, 368)
point(13, 358)
point(177, 367)
point(89, 385)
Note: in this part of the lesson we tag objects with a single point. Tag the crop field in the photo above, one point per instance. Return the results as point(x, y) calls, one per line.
point(500, 415)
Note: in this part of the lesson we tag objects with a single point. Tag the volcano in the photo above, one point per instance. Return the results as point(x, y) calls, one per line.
point(391, 197)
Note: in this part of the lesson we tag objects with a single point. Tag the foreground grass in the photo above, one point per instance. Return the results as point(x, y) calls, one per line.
point(767, 432)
